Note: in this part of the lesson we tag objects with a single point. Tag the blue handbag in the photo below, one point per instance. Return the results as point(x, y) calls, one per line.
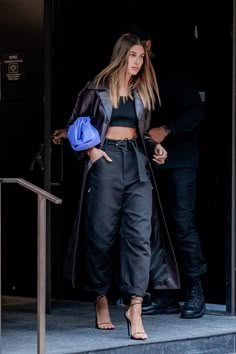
point(82, 135)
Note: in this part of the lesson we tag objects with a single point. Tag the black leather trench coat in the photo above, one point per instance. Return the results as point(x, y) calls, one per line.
point(96, 103)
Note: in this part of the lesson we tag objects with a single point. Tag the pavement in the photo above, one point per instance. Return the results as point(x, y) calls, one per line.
point(70, 329)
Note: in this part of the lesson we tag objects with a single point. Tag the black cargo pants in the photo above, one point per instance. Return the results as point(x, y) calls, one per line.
point(118, 204)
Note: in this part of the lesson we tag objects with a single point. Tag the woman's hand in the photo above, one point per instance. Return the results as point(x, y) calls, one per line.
point(160, 154)
point(95, 154)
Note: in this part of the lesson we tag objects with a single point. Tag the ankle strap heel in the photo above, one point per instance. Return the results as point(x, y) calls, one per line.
point(138, 335)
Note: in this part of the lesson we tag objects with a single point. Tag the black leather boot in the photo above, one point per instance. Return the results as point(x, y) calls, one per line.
point(194, 305)
point(161, 302)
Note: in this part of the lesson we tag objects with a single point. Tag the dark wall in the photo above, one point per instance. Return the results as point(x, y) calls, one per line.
point(214, 191)
point(21, 112)
point(21, 104)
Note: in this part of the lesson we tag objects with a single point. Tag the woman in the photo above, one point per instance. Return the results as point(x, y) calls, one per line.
point(117, 198)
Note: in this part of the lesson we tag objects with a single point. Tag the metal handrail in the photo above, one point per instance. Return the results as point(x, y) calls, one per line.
point(41, 254)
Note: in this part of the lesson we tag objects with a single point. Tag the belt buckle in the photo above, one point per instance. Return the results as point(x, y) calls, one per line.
point(121, 147)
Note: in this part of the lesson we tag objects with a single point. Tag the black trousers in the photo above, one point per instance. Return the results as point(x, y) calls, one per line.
point(118, 204)
point(177, 188)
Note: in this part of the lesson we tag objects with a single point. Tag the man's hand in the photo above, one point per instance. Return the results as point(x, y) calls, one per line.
point(95, 154)
point(158, 134)
point(57, 136)
point(160, 154)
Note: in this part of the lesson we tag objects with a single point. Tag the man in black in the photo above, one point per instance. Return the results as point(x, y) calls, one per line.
point(179, 120)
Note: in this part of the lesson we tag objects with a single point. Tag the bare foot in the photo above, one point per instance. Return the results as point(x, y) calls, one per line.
point(103, 319)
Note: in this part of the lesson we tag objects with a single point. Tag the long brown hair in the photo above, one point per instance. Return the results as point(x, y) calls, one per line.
point(114, 74)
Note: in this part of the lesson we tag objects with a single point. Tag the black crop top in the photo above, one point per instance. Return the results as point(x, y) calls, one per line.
point(124, 115)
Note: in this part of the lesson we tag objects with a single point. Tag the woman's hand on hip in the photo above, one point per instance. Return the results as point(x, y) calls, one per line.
point(95, 154)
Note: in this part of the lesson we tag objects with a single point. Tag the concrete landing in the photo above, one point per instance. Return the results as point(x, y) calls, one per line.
point(70, 329)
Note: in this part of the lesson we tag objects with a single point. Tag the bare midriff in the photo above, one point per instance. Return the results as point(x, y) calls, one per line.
point(121, 133)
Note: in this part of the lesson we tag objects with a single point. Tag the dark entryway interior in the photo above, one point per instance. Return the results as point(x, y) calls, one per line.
point(81, 46)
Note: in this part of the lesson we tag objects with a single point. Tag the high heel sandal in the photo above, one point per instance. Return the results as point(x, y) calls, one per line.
point(103, 325)
point(141, 335)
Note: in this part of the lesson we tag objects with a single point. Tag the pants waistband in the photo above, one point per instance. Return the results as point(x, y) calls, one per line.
point(125, 144)
point(131, 145)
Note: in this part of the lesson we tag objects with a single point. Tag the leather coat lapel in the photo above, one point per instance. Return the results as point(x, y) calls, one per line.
point(140, 113)
point(106, 101)
point(138, 105)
